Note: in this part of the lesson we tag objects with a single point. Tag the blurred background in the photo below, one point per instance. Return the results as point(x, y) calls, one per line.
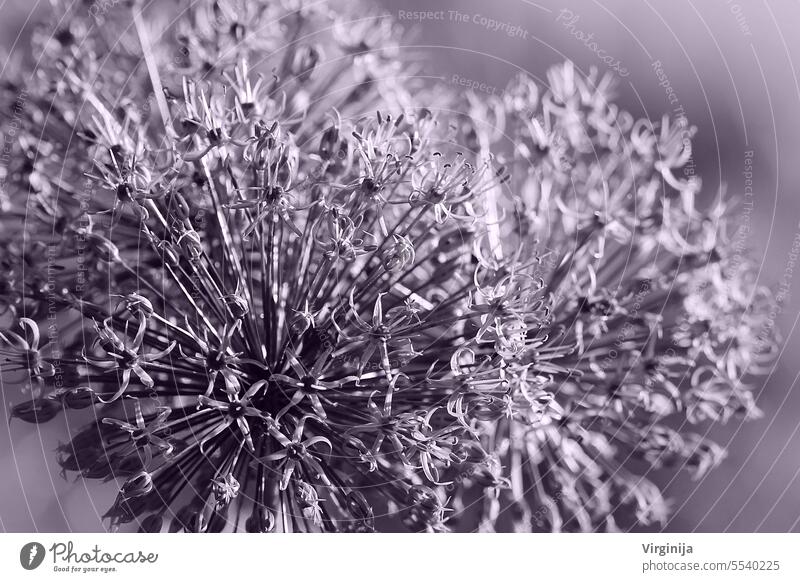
point(728, 65)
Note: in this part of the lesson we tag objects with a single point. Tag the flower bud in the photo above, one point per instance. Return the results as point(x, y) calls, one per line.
point(399, 255)
point(359, 506)
point(260, 521)
point(237, 305)
point(301, 321)
point(189, 519)
point(225, 490)
point(76, 398)
point(36, 411)
point(329, 143)
point(424, 510)
point(305, 60)
point(103, 248)
point(188, 241)
point(140, 484)
point(135, 304)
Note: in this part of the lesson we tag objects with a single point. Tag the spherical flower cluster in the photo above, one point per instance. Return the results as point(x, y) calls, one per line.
point(298, 292)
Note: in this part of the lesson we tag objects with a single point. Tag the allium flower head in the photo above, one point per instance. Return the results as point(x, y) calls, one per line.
point(295, 297)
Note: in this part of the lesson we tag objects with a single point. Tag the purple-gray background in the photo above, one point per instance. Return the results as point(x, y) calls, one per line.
point(731, 64)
